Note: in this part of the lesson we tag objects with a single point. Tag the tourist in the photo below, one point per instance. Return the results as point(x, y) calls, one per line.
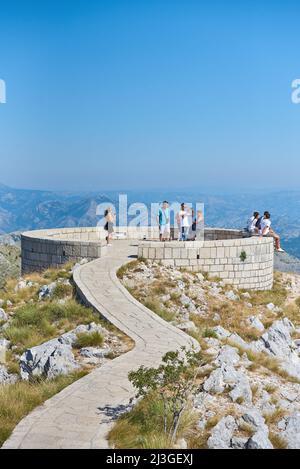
point(266, 230)
point(183, 222)
point(258, 223)
point(109, 225)
point(252, 227)
point(197, 226)
point(163, 220)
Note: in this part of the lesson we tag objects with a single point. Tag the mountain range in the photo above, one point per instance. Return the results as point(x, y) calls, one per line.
point(24, 209)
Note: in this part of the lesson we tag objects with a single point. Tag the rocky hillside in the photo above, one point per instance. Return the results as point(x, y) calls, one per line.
point(22, 210)
point(47, 340)
point(284, 262)
point(249, 379)
point(10, 262)
point(32, 209)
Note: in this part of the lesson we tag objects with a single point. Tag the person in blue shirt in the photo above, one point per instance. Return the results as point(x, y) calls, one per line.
point(163, 220)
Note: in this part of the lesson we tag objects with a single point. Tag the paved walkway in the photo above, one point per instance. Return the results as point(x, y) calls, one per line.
point(81, 415)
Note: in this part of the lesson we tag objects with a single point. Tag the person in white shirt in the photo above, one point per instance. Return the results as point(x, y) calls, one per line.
point(266, 230)
point(183, 222)
point(251, 224)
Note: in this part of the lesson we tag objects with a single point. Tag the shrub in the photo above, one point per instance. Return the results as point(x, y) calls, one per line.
point(174, 381)
point(243, 256)
point(85, 339)
point(62, 290)
point(157, 309)
point(209, 333)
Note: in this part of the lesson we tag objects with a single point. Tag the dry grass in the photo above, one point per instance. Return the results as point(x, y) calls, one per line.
point(270, 388)
point(246, 429)
point(274, 417)
point(18, 400)
point(142, 427)
point(132, 266)
point(254, 389)
point(261, 360)
point(33, 324)
point(155, 306)
point(93, 339)
point(277, 295)
point(277, 441)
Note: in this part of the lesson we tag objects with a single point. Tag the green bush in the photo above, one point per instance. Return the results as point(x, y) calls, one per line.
point(93, 339)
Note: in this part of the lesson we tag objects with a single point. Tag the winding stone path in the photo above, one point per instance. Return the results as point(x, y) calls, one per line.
point(81, 415)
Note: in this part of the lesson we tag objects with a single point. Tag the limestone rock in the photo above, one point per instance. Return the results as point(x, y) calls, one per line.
point(291, 432)
point(255, 322)
point(259, 440)
point(46, 291)
point(49, 359)
point(23, 284)
point(3, 315)
point(221, 332)
point(187, 326)
point(94, 352)
point(246, 295)
point(227, 355)
point(231, 295)
point(254, 418)
point(6, 377)
point(241, 390)
point(238, 442)
point(222, 433)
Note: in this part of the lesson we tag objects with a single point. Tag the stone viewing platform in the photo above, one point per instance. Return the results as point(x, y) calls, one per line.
point(246, 262)
point(243, 262)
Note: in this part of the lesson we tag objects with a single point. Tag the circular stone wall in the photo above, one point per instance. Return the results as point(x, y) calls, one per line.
point(227, 254)
point(242, 261)
point(54, 247)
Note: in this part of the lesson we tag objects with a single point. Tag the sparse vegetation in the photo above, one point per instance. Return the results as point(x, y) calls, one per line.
point(210, 333)
point(274, 417)
point(155, 306)
point(211, 306)
point(142, 427)
point(35, 323)
point(243, 256)
point(163, 413)
point(277, 441)
point(17, 400)
point(93, 339)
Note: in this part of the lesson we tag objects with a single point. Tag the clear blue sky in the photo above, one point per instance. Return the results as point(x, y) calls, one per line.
point(146, 94)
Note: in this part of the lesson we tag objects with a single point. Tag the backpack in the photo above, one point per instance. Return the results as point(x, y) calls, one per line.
point(258, 223)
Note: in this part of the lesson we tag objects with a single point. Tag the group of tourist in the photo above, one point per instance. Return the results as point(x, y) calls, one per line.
point(189, 224)
point(258, 225)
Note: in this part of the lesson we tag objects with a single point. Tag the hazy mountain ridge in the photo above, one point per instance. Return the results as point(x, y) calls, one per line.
point(22, 210)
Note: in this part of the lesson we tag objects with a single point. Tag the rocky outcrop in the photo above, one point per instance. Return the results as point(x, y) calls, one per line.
point(6, 377)
point(222, 433)
point(50, 359)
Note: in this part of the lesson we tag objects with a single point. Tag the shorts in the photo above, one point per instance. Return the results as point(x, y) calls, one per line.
point(165, 229)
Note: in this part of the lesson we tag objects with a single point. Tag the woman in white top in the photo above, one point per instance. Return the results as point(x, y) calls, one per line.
point(109, 225)
point(266, 230)
point(183, 222)
point(251, 224)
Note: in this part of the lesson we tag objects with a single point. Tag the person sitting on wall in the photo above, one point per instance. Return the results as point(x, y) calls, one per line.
point(266, 230)
point(163, 220)
point(252, 227)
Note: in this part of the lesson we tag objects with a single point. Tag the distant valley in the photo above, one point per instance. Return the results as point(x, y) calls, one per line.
point(22, 210)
